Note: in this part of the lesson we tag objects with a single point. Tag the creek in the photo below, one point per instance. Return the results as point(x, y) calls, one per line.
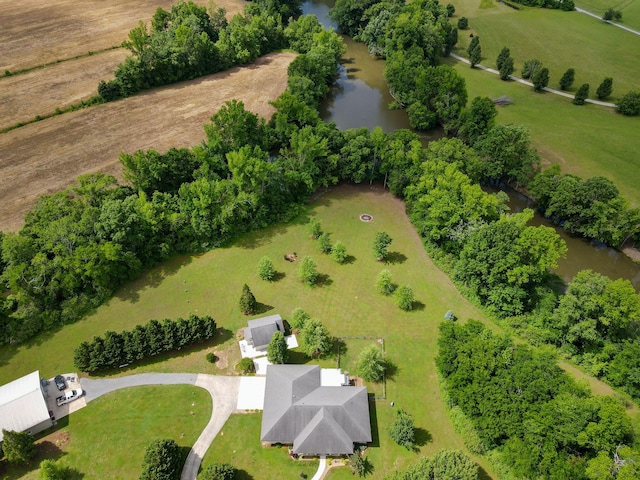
point(360, 98)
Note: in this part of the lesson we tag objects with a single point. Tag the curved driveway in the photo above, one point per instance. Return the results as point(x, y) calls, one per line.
point(223, 391)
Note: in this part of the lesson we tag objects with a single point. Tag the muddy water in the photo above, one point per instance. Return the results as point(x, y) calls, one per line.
point(360, 98)
point(581, 254)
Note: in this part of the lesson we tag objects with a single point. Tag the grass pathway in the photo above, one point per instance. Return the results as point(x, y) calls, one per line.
point(526, 82)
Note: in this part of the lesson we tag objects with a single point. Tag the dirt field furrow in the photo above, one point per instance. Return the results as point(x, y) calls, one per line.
point(35, 33)
point(41, 91)
point(46, 156)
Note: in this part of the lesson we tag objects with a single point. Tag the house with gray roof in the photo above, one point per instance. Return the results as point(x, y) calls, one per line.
point(315, 419)
point(260, 331)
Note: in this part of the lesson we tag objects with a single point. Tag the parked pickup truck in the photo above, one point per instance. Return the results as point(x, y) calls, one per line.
point(68, 396)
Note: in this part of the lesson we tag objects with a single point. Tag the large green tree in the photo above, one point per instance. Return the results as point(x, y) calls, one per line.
point(371, 364)
point(504, 261)
point(18, 447)
point(277, 350)
point(402, 430)
point(381, 243)
point(316, 341)
point(162, 461)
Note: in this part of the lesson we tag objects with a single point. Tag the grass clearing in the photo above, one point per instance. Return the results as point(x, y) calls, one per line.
point(346, 302)
point(46, 156)
point(586, 141)
point(560, 40)
point(108, 438)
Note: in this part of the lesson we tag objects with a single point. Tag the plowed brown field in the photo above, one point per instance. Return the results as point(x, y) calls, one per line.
point(36, 33)
point(46, 156)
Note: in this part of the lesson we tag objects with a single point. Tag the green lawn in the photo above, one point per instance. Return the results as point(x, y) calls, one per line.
point(346, 301)
point(108, 437)
point(560, 40)
point(240, 446)
point(586, 140)
point(630, 9)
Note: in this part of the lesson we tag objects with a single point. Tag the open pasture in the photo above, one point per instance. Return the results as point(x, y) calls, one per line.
point(585, 140)
point(35, 33)
point(46, 156)
point(630, 10)
point(560, 40)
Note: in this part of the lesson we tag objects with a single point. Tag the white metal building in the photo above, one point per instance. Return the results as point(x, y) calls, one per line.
point(23, 407)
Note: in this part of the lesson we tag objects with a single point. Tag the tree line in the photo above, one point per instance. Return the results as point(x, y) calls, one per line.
point(188, 42)
point(533, 419)
point(115, 349)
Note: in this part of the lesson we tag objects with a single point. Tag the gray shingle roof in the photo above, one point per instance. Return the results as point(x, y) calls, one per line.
point(260, 330)
point(315, 419)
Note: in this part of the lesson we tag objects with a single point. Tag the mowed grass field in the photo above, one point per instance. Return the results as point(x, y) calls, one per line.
point(346, 302)
point(108, 438)
point(630, 9)
point(45, 157)
point(585, 140)
point(560, 40)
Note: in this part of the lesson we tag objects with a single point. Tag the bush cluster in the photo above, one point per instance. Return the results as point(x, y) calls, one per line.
point(115, 349)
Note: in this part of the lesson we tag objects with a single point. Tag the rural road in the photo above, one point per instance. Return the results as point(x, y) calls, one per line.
point(586, 12)
point(525, 82)
point(223, 390)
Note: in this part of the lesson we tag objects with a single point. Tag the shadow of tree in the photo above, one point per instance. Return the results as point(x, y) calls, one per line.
point(323, 280)
point(243, 475)
point(262, 308)
point(277, 276)
point(391, 371)
point(422, 437)
point(418, 306)
point(221, 336)
point(395, 258)
point(349, 260)
point(152, 278)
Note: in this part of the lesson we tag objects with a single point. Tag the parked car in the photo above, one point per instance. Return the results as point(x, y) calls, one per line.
point(60, 383)
point(68, 396)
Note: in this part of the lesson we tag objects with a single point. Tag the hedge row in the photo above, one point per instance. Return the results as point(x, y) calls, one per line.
point(116, 349)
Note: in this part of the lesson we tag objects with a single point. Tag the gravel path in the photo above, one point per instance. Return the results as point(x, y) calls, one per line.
point(526, 82)
point(586, 12)
point(223, 391)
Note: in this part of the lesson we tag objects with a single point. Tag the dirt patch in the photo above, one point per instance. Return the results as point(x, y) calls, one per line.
point(51, 444)
point(47, 156)
point(222, 358)
point(41, 91)
point(34, 32)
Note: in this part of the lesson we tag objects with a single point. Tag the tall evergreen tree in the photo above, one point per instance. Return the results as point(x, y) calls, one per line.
point(248, 302)
point(567, 79)
point(475, 51)
point(581, 95)
point(605, 88)
point(541, 79)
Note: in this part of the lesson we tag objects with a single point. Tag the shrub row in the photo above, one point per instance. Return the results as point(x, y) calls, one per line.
point(116, 349)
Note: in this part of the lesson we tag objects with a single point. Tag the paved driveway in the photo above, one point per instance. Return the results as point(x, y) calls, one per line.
point(223, 391)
